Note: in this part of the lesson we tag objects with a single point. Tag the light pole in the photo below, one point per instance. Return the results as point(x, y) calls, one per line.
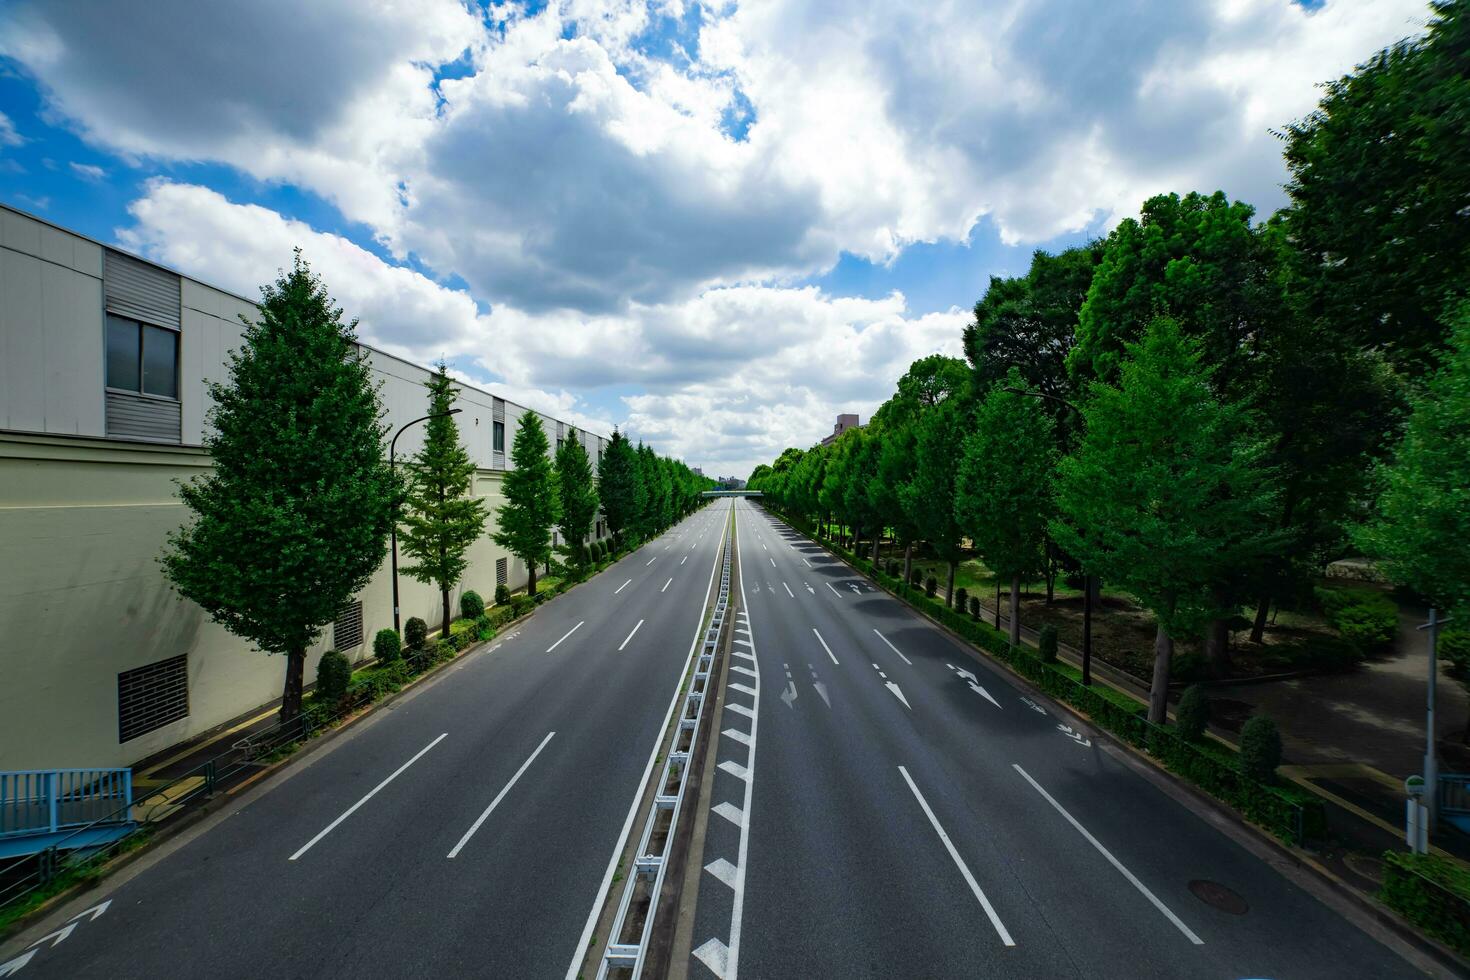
point(393, 532)
point(1087, 581)
point(1431, 762)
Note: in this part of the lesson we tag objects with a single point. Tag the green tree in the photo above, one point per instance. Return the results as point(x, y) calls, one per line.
point(1421, 533)
point(1003, 497)
point(1380, 176)
point(532, 499)
point(1165, 490)
point(578, 497)
point(929, 497)
point(442, 518)
point(620, 486)
point(293, 519)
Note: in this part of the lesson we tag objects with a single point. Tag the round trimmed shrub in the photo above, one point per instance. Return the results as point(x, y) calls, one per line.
point(974, 607)
point(387, 647)
point(471, 606)
point(891, 568)
point(1046, 644)
point(916, 577)
point(1193, 713)
point(333, 674)
point(502, 594)
point(416, 632)
point(1260, 749)
point(931, 586)
point(961, 598)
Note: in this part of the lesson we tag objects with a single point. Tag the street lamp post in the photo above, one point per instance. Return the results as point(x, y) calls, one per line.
point(393, 532)
point(1431, 761)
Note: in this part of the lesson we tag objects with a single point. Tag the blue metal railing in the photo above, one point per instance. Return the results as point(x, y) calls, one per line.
point(47, 801)
point(1454, 798)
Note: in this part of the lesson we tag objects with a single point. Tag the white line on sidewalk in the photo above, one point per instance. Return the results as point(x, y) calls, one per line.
point(371, 793)
point(666, 585)
point(1000, 928)
point(788, 590)
point(498, 797)
point(825, 646)
point(1188, 934)
point(623, 586)
point(894, 649)
point(564, 636)
point(834, 591)
point(630, 636)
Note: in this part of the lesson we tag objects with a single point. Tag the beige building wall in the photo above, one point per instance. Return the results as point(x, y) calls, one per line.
point(83, 518)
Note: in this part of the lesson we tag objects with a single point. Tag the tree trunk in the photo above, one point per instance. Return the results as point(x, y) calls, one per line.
point(1158, 692)
point(857, 538)
point(1258, 628)
point(876, 539)
point(908, 561)
point(444, 594)
point(1217, 647)
point(1015, 610)
point(1051, 574)
point(531, 582)
point(997, 602)
point(291, 694)
point(949, 588)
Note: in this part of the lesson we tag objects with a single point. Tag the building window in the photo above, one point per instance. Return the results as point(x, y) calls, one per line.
point(153, 696)
point(142, 358)
point(498, 438)
point(347, 630)
point(502, 571)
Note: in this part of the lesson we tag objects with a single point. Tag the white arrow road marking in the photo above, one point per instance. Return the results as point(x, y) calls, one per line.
point(1000, 928)
point(898, 694)
point(834, 591)
point(822, 690)
point(854, 587)
point(623, 586)
point(894, 649)
point(825, 646)
point(723, 870)
point(788, 590)
point(630, 636)
point(499, 796)
point(371, 793)
point(963, 673)
point(984, 694)
point(1111, 860)
point(94, 911)
point(564, 636)
point(789, 696)
point(11, 967)
point(809, 588)
point(57, 936)
point(1033, 705)
point(666, 585)
point(1074, 736)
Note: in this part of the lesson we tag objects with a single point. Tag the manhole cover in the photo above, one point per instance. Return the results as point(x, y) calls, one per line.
point(1216, 894)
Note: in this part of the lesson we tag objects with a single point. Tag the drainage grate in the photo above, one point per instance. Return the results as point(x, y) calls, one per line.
point(1215, 894)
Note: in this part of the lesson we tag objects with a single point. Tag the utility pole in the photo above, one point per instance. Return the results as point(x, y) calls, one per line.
point(393, 532)
point(1431, 762)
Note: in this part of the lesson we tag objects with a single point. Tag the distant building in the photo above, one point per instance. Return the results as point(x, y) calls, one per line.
point(730, 483)
point(844, 422)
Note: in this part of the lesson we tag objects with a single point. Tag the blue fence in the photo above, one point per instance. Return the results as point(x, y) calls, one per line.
point(47, 801)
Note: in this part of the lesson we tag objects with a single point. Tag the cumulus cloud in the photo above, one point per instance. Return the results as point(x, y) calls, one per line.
point(8, 135)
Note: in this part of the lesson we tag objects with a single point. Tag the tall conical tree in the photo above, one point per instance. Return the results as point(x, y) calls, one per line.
point(442, 519)
point(532, 499)
point(578, 497)
point(294, 517)
point(620, 486)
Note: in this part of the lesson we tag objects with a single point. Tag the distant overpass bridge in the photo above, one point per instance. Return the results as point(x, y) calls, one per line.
point(731, 493)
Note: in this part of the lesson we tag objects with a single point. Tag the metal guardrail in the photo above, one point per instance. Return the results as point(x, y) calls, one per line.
point(626, 953)
point(48, 801)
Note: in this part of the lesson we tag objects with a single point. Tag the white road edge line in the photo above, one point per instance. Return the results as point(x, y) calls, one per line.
point(894, 649)
point(564, 636)
point(1000, 928)
point(623, 586)
point(825, 646)
point(584, 941)
point(371, 793)
point(1188, 933)
point(630, 636)
point(498, 797)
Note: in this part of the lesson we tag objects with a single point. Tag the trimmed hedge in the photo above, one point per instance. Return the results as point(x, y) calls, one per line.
point(333, 674)
point(502, 594)
point(1432, 892)
point(416, 633)
point(1364, 618)
point(387, 647)
point(471, 606)
point(1292, 815)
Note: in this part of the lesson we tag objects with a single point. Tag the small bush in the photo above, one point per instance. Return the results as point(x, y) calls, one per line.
point(961, 598)
point(1364, 618)
point(483, 629)
point(1193, 713)
point(444, 650)
point(521, 605)
point(471, 606)
point(416, 632)
point(931, 586)
point(333, 674)
point(1046, 644)
point(1454, 647)
point(892, 568)
point(974, 607)
point(916, 577)
point(386, 646)
point(1260, 749)
point(502, 594)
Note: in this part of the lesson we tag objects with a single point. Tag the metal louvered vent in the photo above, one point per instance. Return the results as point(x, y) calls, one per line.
point(502, 571)
point(347, 630)
point(150, 697)
point(142, 291)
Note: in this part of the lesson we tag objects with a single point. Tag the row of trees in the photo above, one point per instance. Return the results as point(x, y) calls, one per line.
point(1202, 409)
point(294, 517)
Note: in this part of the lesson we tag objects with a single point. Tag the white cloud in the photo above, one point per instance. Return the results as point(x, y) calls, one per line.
point(88, 171)
point(8, 135)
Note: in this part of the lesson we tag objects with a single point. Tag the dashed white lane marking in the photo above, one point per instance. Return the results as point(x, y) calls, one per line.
point(650, 561)
point(564, 636)
point(834, 591)
point(1188, 933)
point(825, 646)
point(1000, 928)
point(773, 563)
point(623, 586)
point(788, 590)
point(666, 585)
point(894, 649)
point(630, 636)
point(499, 796)
point(684, 559)
point(370, 794)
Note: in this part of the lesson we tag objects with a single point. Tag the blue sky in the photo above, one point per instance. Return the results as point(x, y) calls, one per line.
point(714, 226)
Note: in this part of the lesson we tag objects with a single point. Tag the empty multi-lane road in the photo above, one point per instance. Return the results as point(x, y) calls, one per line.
point(468, 829)
point(885, 806)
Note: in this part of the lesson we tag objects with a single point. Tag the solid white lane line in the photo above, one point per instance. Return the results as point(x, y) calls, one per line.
point(824, 645)
point(1000, 928)
point(623, 586)
point(564, 636)
point(1188, 933)
point(834, 591)
point(788, 590)
point(650, 561)
point(666, 585)
point(630, 636)
point(894, 649)
point(371, 793)
point(499, 796)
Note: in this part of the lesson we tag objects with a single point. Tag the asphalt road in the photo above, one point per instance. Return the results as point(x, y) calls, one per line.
point(466, 830)
point(887, 807)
